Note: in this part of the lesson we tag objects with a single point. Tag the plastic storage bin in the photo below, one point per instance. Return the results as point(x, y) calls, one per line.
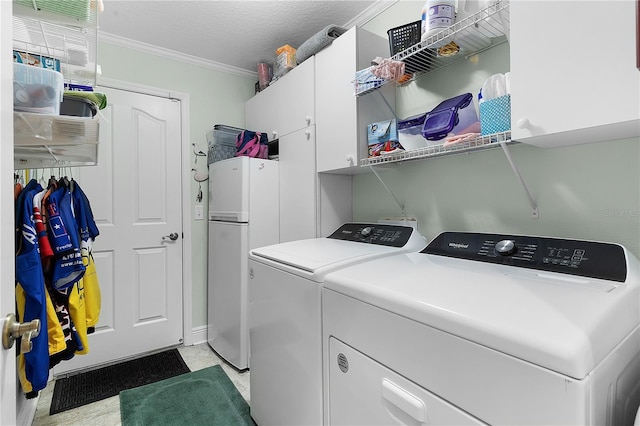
point(221, 143)
point(37, 89)
point(410, 132)
point(77, 107)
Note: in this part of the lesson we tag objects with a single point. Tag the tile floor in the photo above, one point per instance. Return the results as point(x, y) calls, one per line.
point(107, 411)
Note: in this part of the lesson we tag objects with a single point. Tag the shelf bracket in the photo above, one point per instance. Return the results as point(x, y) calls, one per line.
point(393, 112)
point(388, 190)
point(532, 201)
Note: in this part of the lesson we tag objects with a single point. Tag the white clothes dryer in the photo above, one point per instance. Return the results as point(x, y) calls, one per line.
point(285, 320)
point(485, 329)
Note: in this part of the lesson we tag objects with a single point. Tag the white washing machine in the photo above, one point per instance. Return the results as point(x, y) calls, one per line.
point(285, 319)
point(485, 329)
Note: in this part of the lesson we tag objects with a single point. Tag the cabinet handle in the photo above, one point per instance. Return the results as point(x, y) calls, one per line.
point(307, 133)
point(274, 133)
point(308, 119)
point(350, 160)
point(523, 123)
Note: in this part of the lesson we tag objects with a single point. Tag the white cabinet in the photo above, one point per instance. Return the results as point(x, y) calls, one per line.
point(285, 106)
point(311, 205)
point(298, 187)
point(341, 117)
point(573, 72)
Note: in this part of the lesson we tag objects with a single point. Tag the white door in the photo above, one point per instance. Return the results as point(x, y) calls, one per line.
point(7, 280)
point(135, 195)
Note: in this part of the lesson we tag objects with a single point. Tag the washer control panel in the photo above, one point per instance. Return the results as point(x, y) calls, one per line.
point(575, 257)
point(380, 234)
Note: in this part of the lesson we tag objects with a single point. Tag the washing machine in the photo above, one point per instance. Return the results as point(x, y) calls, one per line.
point(285, 335)
point(485, 329)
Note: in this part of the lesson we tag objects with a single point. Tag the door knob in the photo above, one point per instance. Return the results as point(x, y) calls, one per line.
point(12, 329)
point(172, 236)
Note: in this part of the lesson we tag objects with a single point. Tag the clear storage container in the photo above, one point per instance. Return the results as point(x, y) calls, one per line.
point(37, 89)
point(221, 142)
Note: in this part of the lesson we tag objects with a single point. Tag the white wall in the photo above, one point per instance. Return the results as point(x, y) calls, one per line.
point(215, 98)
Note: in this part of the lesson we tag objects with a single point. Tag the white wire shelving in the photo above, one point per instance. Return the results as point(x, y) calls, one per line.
point(477, 144)
point(478, 32)
point(66, 36)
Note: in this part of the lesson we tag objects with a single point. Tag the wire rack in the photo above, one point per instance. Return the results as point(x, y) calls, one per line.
point(479, 143)
point(69, 41)
point(482, 30)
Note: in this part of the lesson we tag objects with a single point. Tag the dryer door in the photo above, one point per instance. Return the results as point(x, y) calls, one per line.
point(365, 392)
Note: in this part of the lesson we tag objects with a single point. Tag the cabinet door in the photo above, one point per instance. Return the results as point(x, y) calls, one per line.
point(298, 185)
point(261, 112)
point(296, 101)
point(336, 105)
point(574, 75)
point(341, 117)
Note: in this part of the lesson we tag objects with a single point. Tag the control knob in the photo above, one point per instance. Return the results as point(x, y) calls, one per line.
point(505, 247)
point(366, 231)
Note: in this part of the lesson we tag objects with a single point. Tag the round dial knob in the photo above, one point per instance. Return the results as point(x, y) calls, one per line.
point(505, 247)
point(366, 231)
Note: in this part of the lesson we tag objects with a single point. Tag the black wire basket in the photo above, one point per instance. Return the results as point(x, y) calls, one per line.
point(404, 36)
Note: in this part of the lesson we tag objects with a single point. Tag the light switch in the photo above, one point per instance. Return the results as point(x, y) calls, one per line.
point(199, 212)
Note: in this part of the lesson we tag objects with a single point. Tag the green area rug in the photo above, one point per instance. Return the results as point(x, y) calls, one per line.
point(203, 397)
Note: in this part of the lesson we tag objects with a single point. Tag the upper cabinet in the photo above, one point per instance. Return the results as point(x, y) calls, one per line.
point(341, 117)
point(285, 106)
point(573, 72)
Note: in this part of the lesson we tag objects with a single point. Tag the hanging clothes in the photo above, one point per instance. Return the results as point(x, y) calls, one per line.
point(67, 266)
point(33, 366)
point(56, 279)
point(89, 286)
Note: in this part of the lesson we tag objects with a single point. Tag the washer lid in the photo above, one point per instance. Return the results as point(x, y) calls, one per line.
point(315, 257)
point(562, 322)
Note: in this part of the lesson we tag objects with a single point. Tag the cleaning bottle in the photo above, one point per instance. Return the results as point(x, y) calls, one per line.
point(437, 15)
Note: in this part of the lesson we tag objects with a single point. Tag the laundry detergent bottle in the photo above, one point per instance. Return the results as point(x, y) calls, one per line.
point(437, 15)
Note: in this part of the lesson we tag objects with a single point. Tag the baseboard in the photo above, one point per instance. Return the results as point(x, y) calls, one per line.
point(26, 410)
point(199, 335)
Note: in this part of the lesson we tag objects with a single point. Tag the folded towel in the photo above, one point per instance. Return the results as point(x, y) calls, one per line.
point(100, 99)
point(318, 41)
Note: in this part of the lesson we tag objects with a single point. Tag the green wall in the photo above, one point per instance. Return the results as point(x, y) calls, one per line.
point(215, 97)
point(586, 191)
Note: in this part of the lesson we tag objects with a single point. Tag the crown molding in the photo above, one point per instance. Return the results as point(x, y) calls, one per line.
point(371, 12)
point(172, 54)
point(365, 16)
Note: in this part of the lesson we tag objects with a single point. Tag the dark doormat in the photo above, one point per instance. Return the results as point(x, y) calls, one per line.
point(105, 382)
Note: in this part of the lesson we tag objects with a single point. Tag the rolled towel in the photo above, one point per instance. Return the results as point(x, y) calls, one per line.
point(318, 41)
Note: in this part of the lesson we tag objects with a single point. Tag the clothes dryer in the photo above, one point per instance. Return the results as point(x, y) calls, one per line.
point(485, 329)
point(285, 335)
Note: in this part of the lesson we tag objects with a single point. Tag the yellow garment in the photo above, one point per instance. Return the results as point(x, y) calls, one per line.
point(78, 315)
point(92, 295)
point(21, 298)
point(57, 343)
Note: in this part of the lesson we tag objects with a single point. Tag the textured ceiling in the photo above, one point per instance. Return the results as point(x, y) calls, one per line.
point(234, 33)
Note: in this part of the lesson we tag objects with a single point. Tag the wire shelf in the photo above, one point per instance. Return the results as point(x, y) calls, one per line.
point(479, 143)
point(481, 31)
point(71, 42)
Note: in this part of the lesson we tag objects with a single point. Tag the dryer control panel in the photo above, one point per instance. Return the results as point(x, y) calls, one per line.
point(379, 234)
point(584, 258)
